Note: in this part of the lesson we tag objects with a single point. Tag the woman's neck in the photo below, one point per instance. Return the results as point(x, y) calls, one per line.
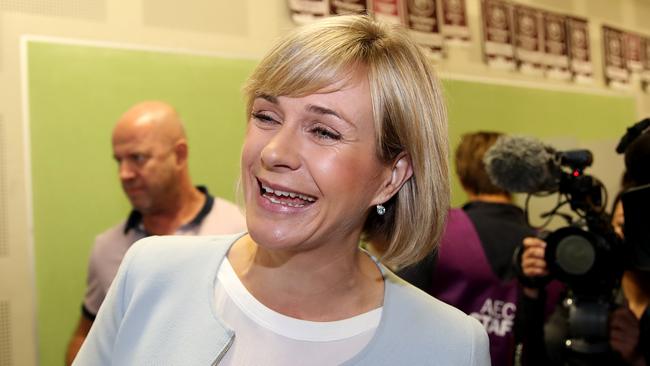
point(323, 284)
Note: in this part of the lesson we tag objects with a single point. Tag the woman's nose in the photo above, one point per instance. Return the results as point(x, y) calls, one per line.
point(283, 149)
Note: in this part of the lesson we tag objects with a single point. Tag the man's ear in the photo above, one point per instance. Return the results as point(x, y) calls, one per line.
point(181, 152)
point(401, 171)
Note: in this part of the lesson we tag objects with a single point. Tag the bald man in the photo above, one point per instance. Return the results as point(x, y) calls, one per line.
point(150, 148)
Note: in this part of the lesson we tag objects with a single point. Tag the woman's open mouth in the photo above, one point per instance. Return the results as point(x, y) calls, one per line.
point(285, 197)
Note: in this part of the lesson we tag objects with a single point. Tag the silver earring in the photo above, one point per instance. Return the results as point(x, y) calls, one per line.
point(381, 210)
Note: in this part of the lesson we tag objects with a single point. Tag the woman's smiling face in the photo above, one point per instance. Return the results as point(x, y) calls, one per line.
point(309, 166)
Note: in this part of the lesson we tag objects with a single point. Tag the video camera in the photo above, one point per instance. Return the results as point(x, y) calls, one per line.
point(586, 254)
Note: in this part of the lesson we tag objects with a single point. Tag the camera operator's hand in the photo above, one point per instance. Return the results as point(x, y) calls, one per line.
point(624, 336)
point(533, 263)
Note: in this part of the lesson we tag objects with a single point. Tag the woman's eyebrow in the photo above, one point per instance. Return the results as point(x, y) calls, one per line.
point(326, 111)
point(268, 98)
point(322, 110)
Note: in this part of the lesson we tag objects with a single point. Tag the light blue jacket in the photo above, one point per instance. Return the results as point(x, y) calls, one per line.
point(160, 311)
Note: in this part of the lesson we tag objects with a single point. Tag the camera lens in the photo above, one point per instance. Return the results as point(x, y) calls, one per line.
point(575, 255)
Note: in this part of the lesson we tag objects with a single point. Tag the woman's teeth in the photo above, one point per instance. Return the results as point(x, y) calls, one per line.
point(273, 200)
point(274, 194)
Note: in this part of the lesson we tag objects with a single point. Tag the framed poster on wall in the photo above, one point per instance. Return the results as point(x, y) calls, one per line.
point(498, 45)
point(615, 67)
point(579, 50)
point(556, 50)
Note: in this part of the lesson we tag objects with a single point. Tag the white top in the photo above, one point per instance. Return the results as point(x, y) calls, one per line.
point(266, 337)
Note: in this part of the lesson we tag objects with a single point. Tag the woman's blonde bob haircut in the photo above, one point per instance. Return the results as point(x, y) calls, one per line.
point(408, 109)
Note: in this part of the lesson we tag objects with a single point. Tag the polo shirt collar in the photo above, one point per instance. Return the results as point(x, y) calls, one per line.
point(134, 222)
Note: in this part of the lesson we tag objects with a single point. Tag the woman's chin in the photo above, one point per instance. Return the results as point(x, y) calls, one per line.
point(277, 238)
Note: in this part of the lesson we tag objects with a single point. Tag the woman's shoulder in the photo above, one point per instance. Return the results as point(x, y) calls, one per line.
point(432, 328)
point(184, 243)
point(181, 245)
point(165, 253)
point(416, 304)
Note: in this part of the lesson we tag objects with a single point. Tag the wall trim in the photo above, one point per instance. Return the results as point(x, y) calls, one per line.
point(129, 46)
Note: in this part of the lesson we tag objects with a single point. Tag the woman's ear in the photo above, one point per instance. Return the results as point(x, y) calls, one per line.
point(401, 171)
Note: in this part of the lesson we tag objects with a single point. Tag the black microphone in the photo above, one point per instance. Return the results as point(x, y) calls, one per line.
point(522, 164)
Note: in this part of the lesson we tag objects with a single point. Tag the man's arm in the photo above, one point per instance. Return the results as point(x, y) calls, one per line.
point(80, 334)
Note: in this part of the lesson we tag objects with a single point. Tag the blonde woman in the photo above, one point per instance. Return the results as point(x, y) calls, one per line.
point(346, 138)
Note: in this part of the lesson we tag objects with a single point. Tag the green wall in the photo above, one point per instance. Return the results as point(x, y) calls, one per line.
point(76, 93)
